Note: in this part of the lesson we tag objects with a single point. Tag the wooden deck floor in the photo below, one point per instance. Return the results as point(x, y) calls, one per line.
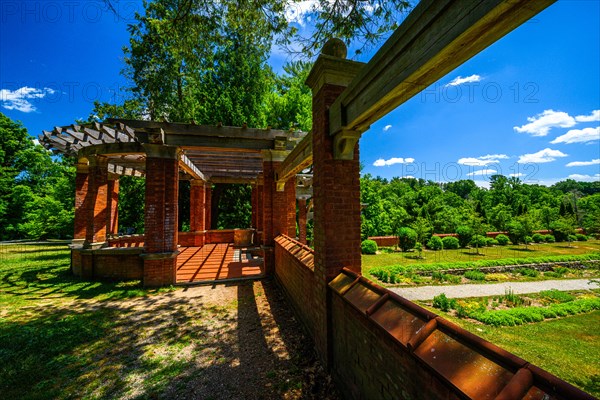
point(215, 262)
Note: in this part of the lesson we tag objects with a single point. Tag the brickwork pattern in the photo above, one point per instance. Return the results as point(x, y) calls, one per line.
point(197, 207)
point(302, 221)
point(289, 210)
point(113, 207)
point(95, 209)
point(81, 205)
point(208, 207)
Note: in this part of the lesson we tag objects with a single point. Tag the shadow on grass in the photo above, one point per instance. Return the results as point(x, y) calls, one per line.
point(169, 346)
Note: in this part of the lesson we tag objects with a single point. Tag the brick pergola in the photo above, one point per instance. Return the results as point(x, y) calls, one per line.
point(165, 153)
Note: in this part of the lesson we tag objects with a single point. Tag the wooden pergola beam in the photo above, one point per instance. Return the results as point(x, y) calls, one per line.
point(298, 159)
point(436, 37)
point(188, 166)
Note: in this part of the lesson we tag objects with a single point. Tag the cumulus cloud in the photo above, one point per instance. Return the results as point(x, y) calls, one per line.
point(483, 172)
point(483, 160)
point(387, 128)
point(394, 160)
point(459, 80)
point(20, 99)
point(542, 156)
point(583, 163)
point(580, 177)
point(299, 12)
point(541, 124)
point(593, 117)
point(579, 136)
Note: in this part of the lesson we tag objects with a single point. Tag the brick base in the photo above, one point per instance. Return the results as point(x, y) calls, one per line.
point(160, 272)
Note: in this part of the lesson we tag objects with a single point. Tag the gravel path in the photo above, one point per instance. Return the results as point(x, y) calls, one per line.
point(492, 289)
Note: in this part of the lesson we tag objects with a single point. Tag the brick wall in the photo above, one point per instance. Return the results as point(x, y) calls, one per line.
point(191, 239)
point(385, 347)
point(220, 236)
point(127, 241)
point(294, 270)
point(108, 264)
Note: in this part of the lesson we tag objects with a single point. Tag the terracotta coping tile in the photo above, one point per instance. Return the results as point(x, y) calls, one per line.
point(361, 296)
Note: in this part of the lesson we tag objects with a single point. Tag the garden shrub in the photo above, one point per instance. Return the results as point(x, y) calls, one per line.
point(551, 274)
point(435, 243)
point(572, 238)
point(502, 239)
point(538, 238)
point(556, 296)
point(450, 242)
point(528, 272)
point(549, 238)
point(407, 238)
point(443, 303)
point(581, 237)
point(368, 246)
point(478, 241)
point(496, 277)
point(475, 275)
point(491, 242)
point(465, 234)
point(527, 239)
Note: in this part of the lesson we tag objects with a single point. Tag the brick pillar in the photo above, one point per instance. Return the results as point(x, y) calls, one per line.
point(290, 207)
point(254, 205)
point(96, 203)
point(302, 220)
point(259, 210)
point(336, 194)
point(81, 204)
point(274, 215)
point(197, 211)
point(161, 219)
point(113, 207)
point(208, 207)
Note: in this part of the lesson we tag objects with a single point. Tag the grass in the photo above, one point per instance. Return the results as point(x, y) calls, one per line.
point(64, 338)
point(393, 267)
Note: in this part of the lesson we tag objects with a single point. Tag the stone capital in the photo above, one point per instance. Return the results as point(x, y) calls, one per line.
point(330, 70)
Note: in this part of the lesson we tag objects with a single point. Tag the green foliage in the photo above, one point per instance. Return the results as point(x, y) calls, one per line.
point(368, 246)
point(407, 238)
point(502, 239)
point(132, 194)
point(419, 248)
point(441, 277)
point(475, 275)
point(435, 243)
point(450, 242)
point(465, 235)
point(233, 208)
point(556, 296)
point(581, 237)
point(549, 238)
point(572, 238)
point(562, 228)
point(443, 303)
point(538, 238)
point(479, 241)
point(532, 273)
point(491, 241)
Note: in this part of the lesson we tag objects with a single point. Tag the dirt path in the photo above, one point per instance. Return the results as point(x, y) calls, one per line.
point(492, 289)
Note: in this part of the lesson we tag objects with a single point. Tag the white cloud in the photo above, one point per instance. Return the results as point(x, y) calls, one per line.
point(299, 12)
point(517, 175)
point(593, 117)
point(387, 128)
point(483, 160)
point(459, 80)
point(541, 124)
point(19, 99)
point(483, 172)
point(579, 136)
point(580, 177)
point(394, 160)
point(542, 156)
point(583, 163)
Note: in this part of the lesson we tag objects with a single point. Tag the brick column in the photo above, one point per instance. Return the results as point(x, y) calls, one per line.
point(81, 204)
point(290, 208)
point(302, 221)
point(336, 193)
point(161, 219)
point(113, 206)
point(96, 210)
point(254, 205)
point(274, 215)
point(208, 207)
point(259, 210)
point(197, 211)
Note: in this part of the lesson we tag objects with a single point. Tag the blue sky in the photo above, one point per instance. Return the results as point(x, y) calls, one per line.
point(528, 105)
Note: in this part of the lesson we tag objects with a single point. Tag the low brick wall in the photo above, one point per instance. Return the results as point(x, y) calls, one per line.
point(127, 241)
point(386, 347)
point(191, 239)
point(385, 241)
point(294, 270)
point(220, 236)
point(116, 264)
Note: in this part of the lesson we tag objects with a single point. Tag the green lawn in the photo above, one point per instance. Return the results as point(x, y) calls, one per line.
point(387, 257)
point(567, 347)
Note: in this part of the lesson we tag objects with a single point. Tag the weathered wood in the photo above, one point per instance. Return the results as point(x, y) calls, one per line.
point(233, 179)
point(300, 158)
point(186, 165)
point(436, 37)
